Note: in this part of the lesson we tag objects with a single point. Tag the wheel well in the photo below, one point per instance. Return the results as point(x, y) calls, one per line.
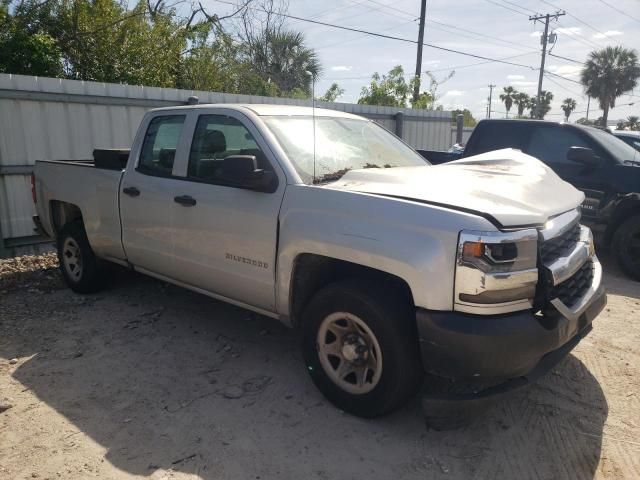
point(63, 213)
point(312, 272)
point(625, 210)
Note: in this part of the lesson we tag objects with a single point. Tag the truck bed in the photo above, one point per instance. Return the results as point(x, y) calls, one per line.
point(64, 185)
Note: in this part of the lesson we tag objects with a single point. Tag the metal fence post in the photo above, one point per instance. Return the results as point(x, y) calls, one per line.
point(459, 127)
point(399, 123)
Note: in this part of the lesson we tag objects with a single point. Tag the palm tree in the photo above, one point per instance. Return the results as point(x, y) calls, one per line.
point(568, 106)
point(521, 100)
point(545, 105)
point(633, 122)
point(609, 73)
point(282, 57)
point(508, 96)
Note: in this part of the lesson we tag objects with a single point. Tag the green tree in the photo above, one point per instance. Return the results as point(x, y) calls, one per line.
point(508, 97)
point(545, 99)
point(522, 101)
point(281, 56)
point(568, 106)
point(469, 121)
point(25, 48)
point(332, 94)
point(608, 74)
point(391, 90)
point(427, 99)
point(631, 123)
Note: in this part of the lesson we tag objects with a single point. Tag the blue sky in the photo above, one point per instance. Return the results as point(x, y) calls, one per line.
point(350, 58)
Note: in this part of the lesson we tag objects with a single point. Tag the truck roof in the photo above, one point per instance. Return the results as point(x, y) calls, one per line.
point(263, 109)
point(533, 121)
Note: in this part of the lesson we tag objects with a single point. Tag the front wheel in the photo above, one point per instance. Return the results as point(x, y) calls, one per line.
point(626, 243)
point(361, 348)
point(78, 264)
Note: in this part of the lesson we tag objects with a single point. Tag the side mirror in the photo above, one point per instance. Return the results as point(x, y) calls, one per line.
point(585, 156)
point(242, 171)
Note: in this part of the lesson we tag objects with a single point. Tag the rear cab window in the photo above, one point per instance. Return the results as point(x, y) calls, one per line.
point(160, 143)
point(496, 135)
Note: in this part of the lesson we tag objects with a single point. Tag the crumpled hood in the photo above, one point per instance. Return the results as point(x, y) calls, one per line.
point(513, 188)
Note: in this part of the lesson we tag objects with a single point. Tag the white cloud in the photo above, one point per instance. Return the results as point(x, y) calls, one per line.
point(454, 93)
point(515, 77)
point(569, 31)
point(536, 34)
point(431, 62)
point(608, 33)
point(565, 70)
point(341, 68)
point(523, 84)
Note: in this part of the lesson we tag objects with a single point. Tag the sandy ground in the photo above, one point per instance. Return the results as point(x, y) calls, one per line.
point(146, 380)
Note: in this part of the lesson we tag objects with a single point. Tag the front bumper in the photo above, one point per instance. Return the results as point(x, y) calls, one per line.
point(494, 353)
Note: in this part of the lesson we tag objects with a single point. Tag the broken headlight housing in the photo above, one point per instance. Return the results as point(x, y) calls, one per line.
point(496, 272)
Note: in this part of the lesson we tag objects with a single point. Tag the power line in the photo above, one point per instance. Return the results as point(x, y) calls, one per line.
point(453, 67)
point(578, 19)
point(520, 45)
point(562, 78)
point(563, 87)
point(388, 37)
point(566, 58)
point(395, 9)
point(619, 11)
point(520, 7)
point(519, 12)
point(333, 44)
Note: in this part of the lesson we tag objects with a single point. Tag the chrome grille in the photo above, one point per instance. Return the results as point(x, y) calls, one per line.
point(571, 290)
point(559, 246)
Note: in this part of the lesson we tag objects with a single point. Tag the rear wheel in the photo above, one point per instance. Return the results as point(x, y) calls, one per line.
point(361, 348)
point(79, 266)
point(626, 243)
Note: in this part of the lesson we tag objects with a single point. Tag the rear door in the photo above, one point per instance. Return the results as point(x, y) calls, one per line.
point(147, 190)
point(551, 143)
point(225, 237)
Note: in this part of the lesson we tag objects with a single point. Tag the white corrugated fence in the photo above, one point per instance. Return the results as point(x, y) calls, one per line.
point(49, 118)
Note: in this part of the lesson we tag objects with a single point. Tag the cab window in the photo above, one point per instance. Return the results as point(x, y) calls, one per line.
point(160, 144)
point(217, 137)
point(551, 143)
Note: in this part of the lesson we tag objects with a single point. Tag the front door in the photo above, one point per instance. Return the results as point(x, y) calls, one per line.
point(551, 144)
point(225, 238)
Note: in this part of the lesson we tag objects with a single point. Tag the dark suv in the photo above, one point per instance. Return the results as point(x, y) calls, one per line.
point(604, 167)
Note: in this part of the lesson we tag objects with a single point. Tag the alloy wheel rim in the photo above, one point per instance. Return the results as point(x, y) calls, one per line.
point(72, 259)
point(349, 353)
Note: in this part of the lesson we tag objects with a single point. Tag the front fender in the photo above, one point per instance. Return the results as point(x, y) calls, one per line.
point(412, 241)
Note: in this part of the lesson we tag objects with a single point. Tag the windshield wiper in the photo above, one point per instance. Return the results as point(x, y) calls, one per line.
point(330, 177)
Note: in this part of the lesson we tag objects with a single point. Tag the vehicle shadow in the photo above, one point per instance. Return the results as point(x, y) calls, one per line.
point(163, 378)
point(616, 281)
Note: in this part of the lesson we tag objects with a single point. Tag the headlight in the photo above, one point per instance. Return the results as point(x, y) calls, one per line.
point(496, 271)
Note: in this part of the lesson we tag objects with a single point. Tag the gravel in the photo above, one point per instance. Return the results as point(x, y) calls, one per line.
point(37, 273)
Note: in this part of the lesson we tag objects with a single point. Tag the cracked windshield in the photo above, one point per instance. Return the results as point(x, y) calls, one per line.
point(341, 144)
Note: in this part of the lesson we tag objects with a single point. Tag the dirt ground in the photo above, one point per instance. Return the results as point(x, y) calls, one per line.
point(147, 380)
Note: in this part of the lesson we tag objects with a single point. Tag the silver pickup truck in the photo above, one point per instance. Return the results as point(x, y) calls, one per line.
point(475, 275)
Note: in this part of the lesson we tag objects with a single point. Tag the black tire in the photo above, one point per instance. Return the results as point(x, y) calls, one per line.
point(626, 244)
point(87, 276)
point(391, 319)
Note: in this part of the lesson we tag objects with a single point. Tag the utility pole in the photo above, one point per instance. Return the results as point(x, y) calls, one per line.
point(588, 105)
point(545, 38)
point(416, 88)
point(491, 87)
